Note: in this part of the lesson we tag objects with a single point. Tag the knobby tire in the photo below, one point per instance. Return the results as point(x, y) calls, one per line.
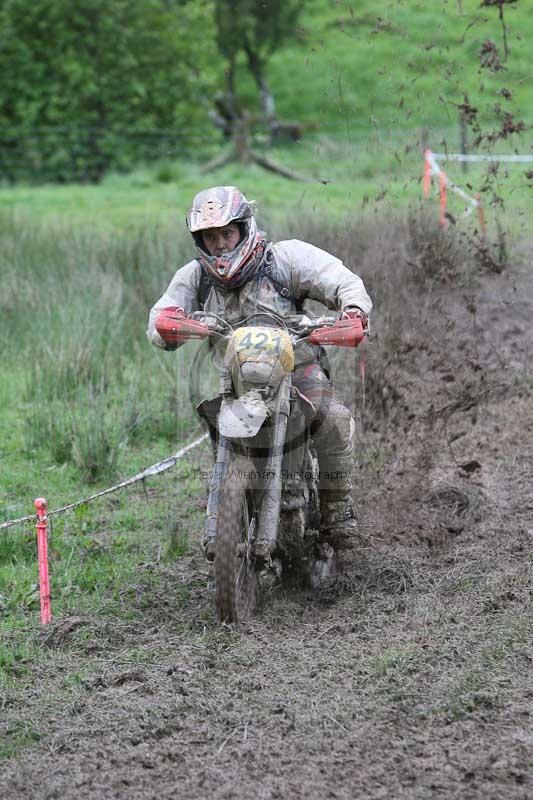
point(235, 576)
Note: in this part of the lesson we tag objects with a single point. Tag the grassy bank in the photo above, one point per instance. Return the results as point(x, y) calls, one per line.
point(397, 65)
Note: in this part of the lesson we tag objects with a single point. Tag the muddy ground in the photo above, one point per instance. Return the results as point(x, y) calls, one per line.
point(409, 678)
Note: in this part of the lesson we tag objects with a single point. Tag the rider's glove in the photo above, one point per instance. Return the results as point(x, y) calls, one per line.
point(165, 325)
point(356, 313)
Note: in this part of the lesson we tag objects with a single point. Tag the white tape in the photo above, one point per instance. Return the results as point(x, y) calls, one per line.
point(465, 157)
point(155, 469)
point(436, 170)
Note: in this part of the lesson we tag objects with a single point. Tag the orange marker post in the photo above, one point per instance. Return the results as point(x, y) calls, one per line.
point(481, 216)
point(41, 506)
point(426, 180)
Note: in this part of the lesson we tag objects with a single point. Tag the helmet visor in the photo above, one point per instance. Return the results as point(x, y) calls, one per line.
point(217, 207)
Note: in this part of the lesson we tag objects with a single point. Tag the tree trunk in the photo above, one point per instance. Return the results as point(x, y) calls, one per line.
point(239, 151)
point(241, 142)
point(243, 154)
point(230, 83)
point(268, 103)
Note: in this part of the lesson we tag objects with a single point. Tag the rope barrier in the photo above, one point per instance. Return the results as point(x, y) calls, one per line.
point(523, 159)
point(432, 169)
point(154, 469)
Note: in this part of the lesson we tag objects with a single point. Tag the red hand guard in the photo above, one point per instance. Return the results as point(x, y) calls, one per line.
point(346, 332)
point(175, 327)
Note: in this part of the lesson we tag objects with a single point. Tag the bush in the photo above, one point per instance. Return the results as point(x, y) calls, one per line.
point(101, 86)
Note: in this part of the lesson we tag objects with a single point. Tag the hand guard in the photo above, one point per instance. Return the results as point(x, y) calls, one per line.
point(356, 313)
point(348, 331)
point(174, 327)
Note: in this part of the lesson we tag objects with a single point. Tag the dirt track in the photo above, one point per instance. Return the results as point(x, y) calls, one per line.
point(410, 678)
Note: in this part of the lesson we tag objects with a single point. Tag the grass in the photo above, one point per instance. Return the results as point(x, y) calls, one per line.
point(103, 558)
point(17, 737)
point(398, 65)
point(85, 400)
point(393, 663)
point(345, 180)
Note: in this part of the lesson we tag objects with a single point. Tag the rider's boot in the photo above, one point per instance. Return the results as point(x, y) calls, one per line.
point(338, 522)
point(209, 547)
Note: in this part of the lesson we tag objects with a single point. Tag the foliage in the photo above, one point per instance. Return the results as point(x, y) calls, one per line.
point(86, 86)
point(346, 76)
point(243, 25)
point(257, 30)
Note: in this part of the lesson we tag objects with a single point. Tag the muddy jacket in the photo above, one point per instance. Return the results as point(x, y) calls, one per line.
point(292, 272)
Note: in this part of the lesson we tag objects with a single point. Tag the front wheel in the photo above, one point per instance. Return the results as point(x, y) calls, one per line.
point(235, 575)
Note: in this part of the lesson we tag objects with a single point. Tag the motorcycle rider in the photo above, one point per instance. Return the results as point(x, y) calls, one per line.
point(237, 272)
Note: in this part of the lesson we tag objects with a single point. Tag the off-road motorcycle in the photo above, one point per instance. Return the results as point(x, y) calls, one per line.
point(263, 505)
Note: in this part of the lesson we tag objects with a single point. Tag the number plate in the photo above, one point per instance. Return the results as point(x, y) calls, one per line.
point(263, 344)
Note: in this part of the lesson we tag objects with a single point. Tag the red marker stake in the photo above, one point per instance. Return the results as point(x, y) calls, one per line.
point(426, 181)
point(42, 547)
point(481, 216)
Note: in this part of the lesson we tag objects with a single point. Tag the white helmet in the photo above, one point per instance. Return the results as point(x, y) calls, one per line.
point(215, 208)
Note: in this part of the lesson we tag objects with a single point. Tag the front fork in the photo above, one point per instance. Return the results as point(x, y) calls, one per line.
point(222, 458)
point(271, 493)
point(271, 505)
point(219, 470)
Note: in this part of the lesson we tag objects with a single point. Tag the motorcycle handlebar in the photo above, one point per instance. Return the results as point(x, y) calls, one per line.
point(324, 330)
point(299, 325)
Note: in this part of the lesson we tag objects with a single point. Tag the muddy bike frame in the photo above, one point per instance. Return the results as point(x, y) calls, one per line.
point(327, 330)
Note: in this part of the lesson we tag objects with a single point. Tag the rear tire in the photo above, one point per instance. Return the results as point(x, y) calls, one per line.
point(235, 574)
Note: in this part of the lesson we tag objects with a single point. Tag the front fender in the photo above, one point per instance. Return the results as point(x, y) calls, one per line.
point(242, 417)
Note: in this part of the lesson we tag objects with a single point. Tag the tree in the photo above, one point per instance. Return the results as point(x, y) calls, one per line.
point(256, 29)
point(97, 84)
